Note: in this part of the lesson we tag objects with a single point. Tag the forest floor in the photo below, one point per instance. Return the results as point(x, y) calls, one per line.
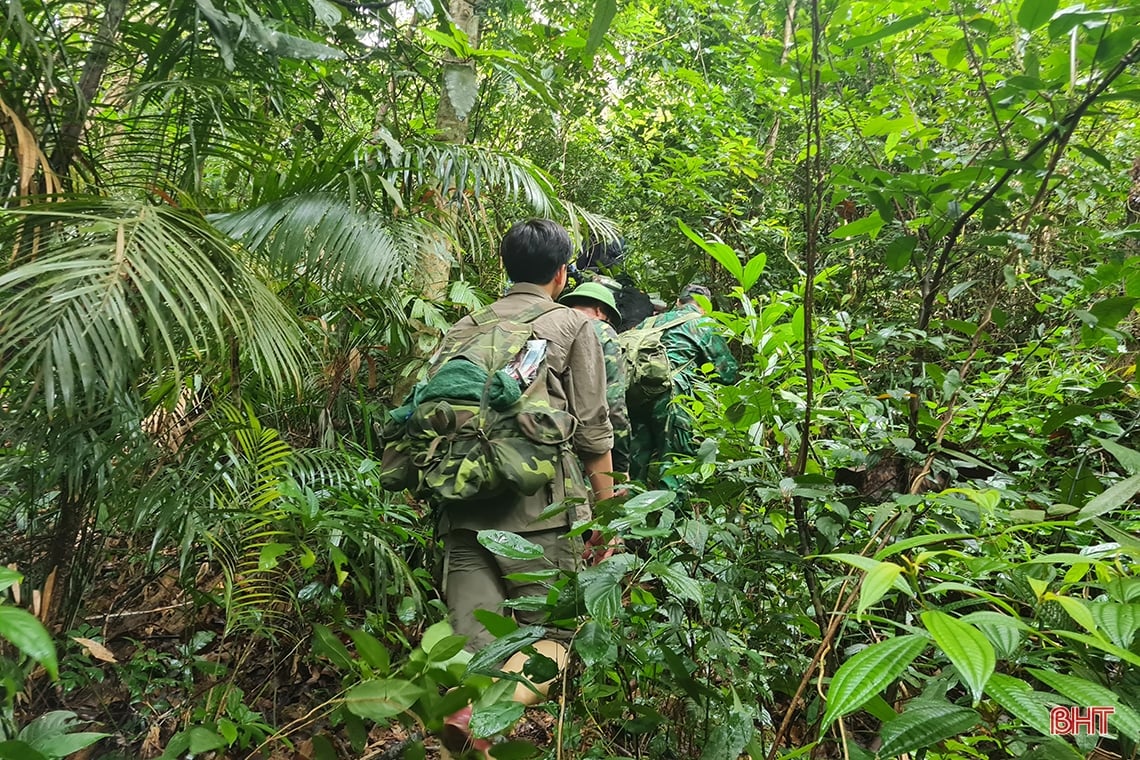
point(142, 658)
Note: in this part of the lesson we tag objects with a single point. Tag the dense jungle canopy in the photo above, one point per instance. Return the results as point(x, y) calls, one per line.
point(232, 231)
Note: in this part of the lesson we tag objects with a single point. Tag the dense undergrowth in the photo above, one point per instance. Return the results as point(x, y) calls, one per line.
point(950, 585)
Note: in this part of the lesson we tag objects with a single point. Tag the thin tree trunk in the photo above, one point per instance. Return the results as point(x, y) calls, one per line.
point(93, 69)
point(1132, 212)
point(452, 126)
point(789, 39)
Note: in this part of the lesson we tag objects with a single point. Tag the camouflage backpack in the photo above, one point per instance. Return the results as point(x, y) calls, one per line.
point(647, 363)
point(469, 432)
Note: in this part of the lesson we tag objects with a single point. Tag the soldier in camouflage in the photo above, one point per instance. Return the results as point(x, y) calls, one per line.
point(535, 255)
point(597, 302)
point(664, 427)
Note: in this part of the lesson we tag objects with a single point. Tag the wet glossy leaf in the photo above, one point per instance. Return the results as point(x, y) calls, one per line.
point(967, 648)
point(510, 545)
point(869, 672)
point(924, 725)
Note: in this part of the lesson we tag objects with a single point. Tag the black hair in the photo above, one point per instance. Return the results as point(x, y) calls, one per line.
point(533, 251)
point(689, 290)
point(601, 254)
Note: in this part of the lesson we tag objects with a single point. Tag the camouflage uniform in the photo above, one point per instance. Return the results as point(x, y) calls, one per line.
point(474, 578)
point(616, 383)
point(665, 427)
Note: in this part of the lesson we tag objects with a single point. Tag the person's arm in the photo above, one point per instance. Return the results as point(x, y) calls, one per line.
point(616, 382)
point(719, 355)
point(585, 387)
point(598, 468)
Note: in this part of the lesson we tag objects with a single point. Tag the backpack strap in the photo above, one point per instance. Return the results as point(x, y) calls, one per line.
point(673, 323)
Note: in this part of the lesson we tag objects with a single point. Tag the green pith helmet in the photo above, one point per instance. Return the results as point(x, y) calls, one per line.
point(592, 291)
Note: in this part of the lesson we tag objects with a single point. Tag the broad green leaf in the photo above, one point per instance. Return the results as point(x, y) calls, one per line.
point(1118, 621)
point(327, 643)
point(510, 545)
point(270, 553)
point(866, 564)
point(891, 29)
point(868, 673)
point(1095, 155)
point(1129, 458)
point(595, 644)
point(1003, 631)
point(868, 225)
point(752, 271)
point(1124, 655)
point(677, 582)
point(382, 698)
point(1110, 311)
point(1061, 416)
point(1035, 13)
point(1020, 700)
point(435, 633)
point(876, 584)
point(371, 651)
point(1076, 609)
point(899, 252)
point(1088, 694)
point(1112, 498)
point(967, 648)
point(695, 533)
point(723, 254)
point(497, 625)
point(925, 725)
point(514, 750)
point(202, 740)
point(29, 636)
point(447, 648)
point(66, 744)
point(8, 578)
point(636, 510)
point(487, 660)
point(496, 718)
point(18, 750)
point(604, 12)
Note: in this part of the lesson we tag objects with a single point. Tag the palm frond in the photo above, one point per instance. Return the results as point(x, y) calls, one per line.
point(96, 289)
point(321, 237)
point(258, 596)
point(473, 171)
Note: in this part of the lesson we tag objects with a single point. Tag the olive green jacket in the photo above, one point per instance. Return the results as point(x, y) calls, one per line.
point(577, 384)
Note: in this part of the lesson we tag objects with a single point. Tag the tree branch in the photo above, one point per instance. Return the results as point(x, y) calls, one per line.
point(93, 69)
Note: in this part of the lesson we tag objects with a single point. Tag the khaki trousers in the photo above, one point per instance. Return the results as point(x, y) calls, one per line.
point(475, 579)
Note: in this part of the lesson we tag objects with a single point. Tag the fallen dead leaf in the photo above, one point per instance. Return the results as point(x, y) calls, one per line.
point(152, 745)
point(95, 649)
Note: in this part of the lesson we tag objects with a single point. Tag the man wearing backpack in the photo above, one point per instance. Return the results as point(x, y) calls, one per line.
point(659, 425)
point(535, 255)
point(597, 302)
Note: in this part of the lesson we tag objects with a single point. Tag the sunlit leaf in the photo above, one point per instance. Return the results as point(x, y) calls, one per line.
point(1035, 13)
point(967, 648)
